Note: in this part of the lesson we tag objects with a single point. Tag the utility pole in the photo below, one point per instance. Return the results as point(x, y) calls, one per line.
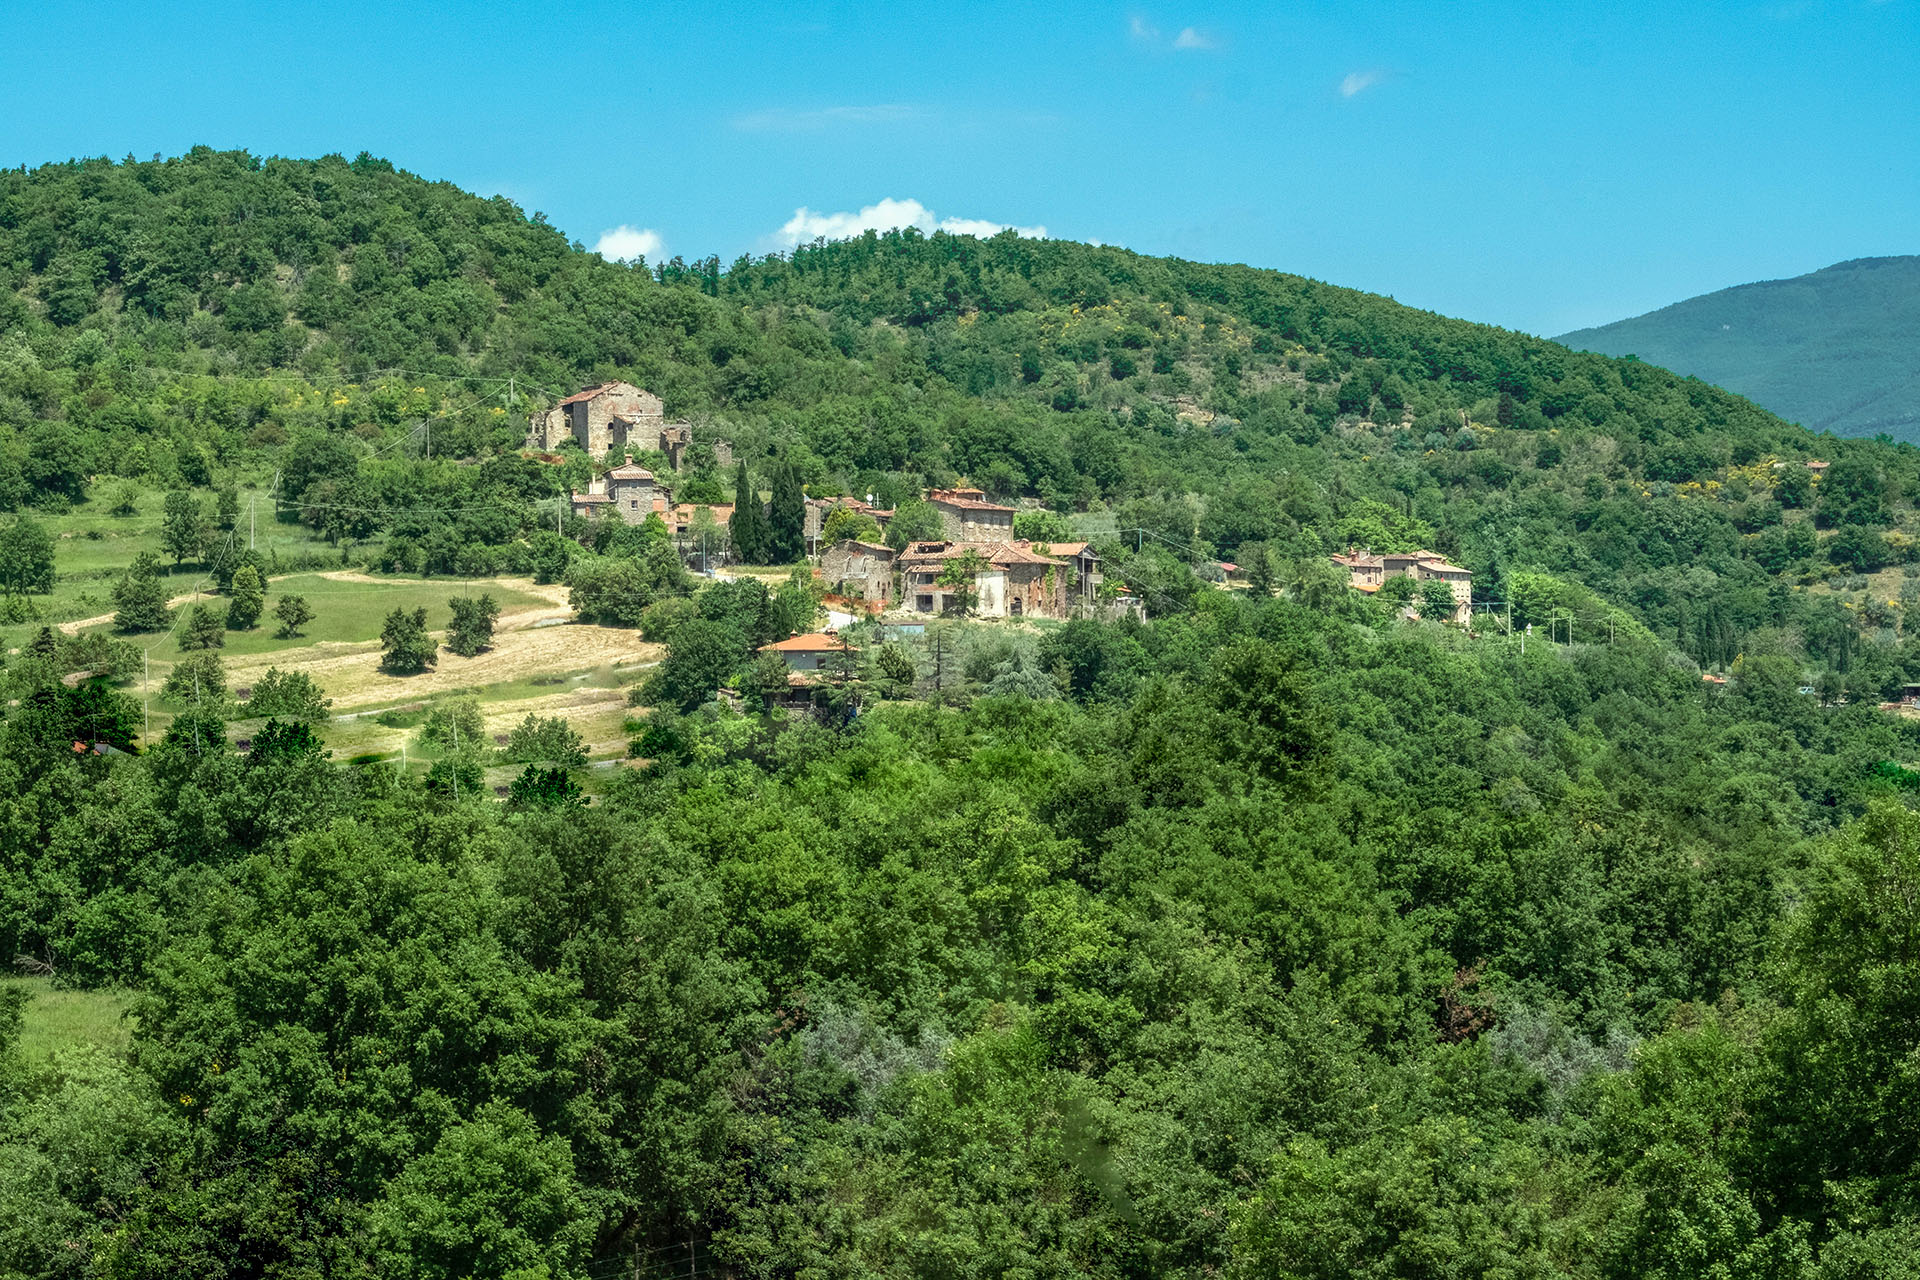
point(250, 501)
point(146, 699)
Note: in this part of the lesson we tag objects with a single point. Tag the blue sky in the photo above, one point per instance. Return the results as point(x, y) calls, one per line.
point(1534, 165)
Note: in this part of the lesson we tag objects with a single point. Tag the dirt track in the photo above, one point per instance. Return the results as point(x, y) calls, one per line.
point(528, 640)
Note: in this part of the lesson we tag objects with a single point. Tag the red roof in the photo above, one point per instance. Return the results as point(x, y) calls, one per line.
point(813, 642)
point(953, 498)
point(994, 553)
point(589, 393)
point(579, 498)
point(630, 471)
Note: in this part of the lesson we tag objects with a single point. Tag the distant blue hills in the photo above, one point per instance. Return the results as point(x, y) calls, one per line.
point(1834, 350)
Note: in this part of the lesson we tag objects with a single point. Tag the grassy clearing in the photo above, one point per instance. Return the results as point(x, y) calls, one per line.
point(57, 1019)
point(348, 612)
point(92, 547)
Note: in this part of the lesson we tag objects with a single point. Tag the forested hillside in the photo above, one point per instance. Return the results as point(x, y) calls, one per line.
point(220, 311)
point(1833, 349)
point(1274, 934)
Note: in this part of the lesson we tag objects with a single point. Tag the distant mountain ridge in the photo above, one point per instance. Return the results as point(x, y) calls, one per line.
point(1835, 350)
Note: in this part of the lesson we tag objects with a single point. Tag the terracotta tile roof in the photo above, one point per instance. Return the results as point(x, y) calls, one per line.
point(683, 512)
point(590, 393)
point(1359, 560)
point(878, 548)
point(579, 498)
point(952, 498)
point(1068, 550)
point(813, 642)
point(630, 471)
point(994, 553)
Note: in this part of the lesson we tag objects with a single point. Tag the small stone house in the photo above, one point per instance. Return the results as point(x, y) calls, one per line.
point(1368, 572)
point(818, 509)
point(631, 488)
point(816, 651)
point(859, 570)
point(1012, 582)
point(1083, 584)
point(967, 516)
point(616, 415)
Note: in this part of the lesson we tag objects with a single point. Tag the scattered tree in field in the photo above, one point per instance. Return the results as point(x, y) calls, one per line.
point(405, 647)
point(140, 597)
point(197, 679)
point(205, 627)
point(126, 502)
point(294, 613)
point(26, 557)
point(472, 627)
point(288, 695)
point(226, 508)
point(453, 723)
point(184, 531)
point(244, 604)
point(545, 740)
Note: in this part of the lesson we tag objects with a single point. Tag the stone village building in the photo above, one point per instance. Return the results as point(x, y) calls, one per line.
point(818, 509)
point(859, 570)
point(1013, 581)
point(1368, 572)
point(967, 516)
point(627, 490)
point(617, 415)
point(1017, 578)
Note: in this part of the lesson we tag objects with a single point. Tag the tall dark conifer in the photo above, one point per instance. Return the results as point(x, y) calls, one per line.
point(748, 528)
point(787, 517)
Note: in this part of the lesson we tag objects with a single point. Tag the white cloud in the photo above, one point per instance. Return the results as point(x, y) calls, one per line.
point(1141, 29)
point(809, 119)
point(1360, 82)
point(806, 225)
point(1192, 38)
point(624, 244)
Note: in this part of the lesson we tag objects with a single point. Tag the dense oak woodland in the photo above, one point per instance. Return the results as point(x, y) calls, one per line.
point(1271, 936)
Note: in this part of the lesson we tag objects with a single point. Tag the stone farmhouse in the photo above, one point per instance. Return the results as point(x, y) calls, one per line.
point(859, 570)
point(1013, 581)
point(627, 490)
point(1368, 572)
point(1019, 578)
point(818, 509)
point(616, 414)
point(967, 516)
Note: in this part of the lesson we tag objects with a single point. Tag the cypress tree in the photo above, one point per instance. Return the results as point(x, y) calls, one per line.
point(748, 528)
point(787, 517)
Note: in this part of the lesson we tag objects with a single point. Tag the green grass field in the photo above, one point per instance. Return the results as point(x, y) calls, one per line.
point(349, 612)
point(58, 1019)
point(92, 547)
